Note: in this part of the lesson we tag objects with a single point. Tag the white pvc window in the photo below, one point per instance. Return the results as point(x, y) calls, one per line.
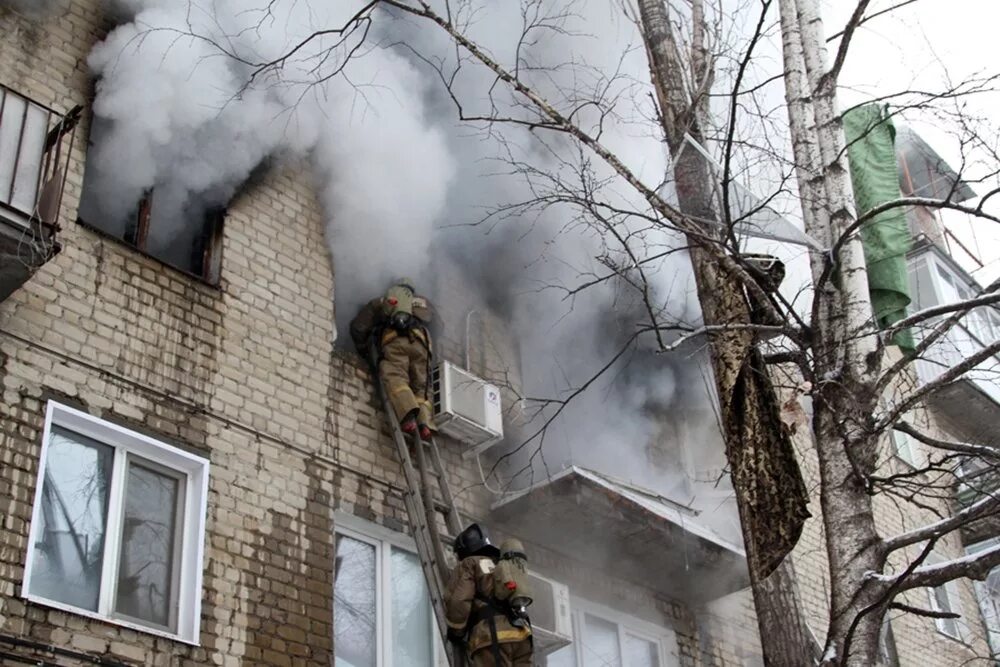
point(381, 611)
point(906, 448)
point(988, 596)
point(945, 598)
point(606, 638)
point(117, 531)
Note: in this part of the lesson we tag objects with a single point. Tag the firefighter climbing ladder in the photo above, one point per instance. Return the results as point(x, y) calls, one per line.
point(422, 508)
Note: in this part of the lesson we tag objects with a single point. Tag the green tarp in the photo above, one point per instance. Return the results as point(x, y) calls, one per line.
point(871, 153)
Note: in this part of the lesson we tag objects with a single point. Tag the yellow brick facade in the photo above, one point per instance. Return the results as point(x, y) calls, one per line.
point(245, 374)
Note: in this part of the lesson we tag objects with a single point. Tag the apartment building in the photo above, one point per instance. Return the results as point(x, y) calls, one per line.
point(194, 473)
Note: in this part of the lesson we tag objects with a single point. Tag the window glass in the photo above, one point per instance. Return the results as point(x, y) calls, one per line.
point(640, 652)
point(23, 127)
point(887, 645)
point(564, 657)
point(599, 644)
point(116, 525)
point(354, 604)
point(68, 550)
point(411, 612)
point(942, 602)
point(149, 536)
point(905, 448)
point(988, 592)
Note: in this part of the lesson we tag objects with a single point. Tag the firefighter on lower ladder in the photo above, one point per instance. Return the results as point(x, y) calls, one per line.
point(394, 326)
point(486, 599)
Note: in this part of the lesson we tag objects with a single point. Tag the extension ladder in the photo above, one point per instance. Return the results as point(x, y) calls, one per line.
point(422, 508)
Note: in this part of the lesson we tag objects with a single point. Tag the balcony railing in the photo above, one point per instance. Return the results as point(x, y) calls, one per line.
point(35, 143)
point(958, 344)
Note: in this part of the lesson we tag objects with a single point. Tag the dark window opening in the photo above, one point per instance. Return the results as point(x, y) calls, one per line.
point(166, 222)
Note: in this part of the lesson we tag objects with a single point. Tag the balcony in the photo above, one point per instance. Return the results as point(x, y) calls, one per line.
point(978, 479)
point(35, 144)
point(973, 402)
point(636, 533)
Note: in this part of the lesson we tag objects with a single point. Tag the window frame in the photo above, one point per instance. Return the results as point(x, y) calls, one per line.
point(384, 540)
point(953, 595)
point(130, 446)
point(663, 637)
point(990, 620)
point(902, 441)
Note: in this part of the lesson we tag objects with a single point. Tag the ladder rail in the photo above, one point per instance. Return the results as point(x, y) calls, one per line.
point(421, 510)
point(452, 520)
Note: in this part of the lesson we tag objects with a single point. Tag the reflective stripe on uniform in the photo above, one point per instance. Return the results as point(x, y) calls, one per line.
point(503, 637)
point(456, 626)
point(399, 388)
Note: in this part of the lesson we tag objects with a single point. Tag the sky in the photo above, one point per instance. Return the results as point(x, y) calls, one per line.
point(926, 45)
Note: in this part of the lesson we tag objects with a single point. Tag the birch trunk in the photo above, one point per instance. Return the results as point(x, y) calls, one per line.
point(845, 345)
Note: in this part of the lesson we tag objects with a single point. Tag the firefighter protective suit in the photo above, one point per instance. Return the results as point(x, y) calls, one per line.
point(404, 356)
point(471, 608)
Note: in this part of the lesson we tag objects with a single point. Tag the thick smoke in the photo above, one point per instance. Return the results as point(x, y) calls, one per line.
point(402, 182)
point(179, 112)
point(640, 420)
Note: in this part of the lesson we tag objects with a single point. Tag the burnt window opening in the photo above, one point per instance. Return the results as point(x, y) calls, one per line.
point(178, 228)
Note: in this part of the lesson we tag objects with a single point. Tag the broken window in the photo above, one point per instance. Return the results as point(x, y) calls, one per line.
point(165, 221)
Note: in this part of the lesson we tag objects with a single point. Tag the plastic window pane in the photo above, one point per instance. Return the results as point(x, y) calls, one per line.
point(599, 644)
point(69, 544)
point(148, 562)
point(354, 604)
point(411, 627)
point(640, 652)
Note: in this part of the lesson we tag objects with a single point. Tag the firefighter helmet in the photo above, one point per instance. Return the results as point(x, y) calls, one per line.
point(473, 541)
point(407, 283)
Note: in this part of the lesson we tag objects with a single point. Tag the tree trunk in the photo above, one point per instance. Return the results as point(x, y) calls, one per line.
point(845, 345)
point(765, 473)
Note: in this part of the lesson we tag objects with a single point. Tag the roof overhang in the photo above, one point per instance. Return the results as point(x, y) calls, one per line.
point(627, 532)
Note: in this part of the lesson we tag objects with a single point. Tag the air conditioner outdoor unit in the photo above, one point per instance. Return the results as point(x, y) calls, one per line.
point(551, 623)
point(467, 408)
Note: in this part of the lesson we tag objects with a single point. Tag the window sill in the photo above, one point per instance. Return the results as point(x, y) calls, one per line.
point(954, 638)
point(215, 285)
point(909, 465)
point(138, 627)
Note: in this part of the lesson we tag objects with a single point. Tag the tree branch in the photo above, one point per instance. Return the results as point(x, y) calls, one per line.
point(977, 510)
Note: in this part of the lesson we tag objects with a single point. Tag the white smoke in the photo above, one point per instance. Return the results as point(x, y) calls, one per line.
point(180, 111)
point(397, 172)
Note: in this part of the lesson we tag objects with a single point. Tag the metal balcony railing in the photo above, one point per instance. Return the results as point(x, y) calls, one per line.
point(35, 143)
